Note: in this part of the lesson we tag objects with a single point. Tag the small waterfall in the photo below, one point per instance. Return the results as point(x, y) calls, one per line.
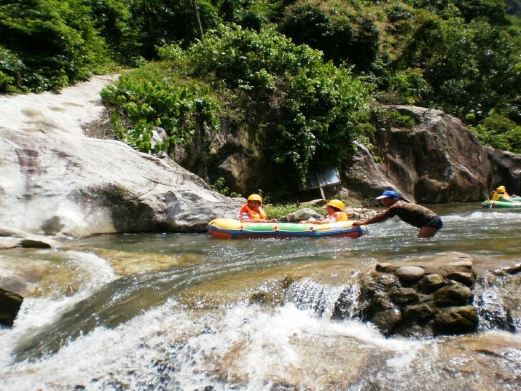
point(322, 299)
point(493, 313)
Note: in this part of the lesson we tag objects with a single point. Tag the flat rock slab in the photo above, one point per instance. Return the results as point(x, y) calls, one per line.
point(410, 273)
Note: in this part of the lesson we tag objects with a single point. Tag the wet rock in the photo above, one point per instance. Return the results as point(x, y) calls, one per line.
point(410, 273)
point(512, 269)
point(464, 262)
point(386, 267)
point(9, 306)
point(405, 298)
point(431, 282)
point(387, 320)
point(404, 295)
point(421, 313)
point(466, 278)
point(452, 295)
point(456, 320)
point(33, 243)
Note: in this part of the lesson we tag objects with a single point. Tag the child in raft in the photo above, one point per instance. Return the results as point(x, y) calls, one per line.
point(253, 212)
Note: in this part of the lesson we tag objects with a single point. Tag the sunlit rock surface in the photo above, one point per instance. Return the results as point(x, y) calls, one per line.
point(54, 180)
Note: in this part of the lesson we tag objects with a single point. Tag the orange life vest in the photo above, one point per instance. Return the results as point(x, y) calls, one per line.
point(247, 213)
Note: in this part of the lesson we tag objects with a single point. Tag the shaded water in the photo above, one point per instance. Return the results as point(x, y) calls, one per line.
point(185, 311)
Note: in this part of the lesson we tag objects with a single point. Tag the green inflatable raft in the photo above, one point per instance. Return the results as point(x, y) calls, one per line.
point(515, 203)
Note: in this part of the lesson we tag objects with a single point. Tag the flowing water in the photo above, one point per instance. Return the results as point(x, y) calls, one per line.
point(189, 312)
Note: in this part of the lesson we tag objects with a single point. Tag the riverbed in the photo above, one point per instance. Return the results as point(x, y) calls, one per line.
point(187, 311)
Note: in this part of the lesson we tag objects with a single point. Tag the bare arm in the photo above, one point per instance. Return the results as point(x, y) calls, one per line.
point(376, 219)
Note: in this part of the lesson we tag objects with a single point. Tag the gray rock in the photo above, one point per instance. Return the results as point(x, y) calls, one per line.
point(9, 306)
point(410, 273)
point(453, 294)
point(456, 320)
point(301, 214)
point(54, 180)
point(431, 282)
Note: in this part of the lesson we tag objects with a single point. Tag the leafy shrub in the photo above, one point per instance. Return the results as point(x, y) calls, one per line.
point(48, 44)
point(303, 112)
point(342, 34)
point(308, 110)
point(499, 132)
point(151, 97)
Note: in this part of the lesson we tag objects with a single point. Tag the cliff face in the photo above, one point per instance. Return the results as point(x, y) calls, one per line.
point(55, 180)
point(438, 160)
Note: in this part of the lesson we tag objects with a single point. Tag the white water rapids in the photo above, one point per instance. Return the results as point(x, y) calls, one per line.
point(189, 342)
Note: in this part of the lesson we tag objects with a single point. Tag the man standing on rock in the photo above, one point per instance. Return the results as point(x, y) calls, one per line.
point(419, 216)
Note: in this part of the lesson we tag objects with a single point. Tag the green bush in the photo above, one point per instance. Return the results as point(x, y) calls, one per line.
point(499, 132)
point(308, 110)
point(341, 32)
point(48, 44)
point(153, 97)
point(304, 112)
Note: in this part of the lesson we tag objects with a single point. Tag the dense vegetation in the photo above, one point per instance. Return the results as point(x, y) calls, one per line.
point(253, 69)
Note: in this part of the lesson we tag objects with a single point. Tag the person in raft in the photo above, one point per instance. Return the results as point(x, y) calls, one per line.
point(419, 216)
point(335, 213)
point(500, 194)
point(252, 210)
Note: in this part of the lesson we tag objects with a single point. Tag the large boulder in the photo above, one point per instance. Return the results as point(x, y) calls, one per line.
point(55, 180)
point(437, 160)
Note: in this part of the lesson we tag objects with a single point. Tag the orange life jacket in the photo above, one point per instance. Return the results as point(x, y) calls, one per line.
point(247, 213)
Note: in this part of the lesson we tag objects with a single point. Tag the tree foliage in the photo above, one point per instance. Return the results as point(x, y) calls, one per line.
point(306, 111)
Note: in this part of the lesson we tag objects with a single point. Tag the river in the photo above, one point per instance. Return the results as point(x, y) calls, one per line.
point(190, 312)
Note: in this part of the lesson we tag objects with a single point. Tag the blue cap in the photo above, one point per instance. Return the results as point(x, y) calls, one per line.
point(389, 194)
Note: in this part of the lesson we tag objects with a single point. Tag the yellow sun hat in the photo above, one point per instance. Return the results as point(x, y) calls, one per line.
point(255, 197)
point(336, 204)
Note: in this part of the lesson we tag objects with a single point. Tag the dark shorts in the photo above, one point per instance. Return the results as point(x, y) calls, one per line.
point(435, 222)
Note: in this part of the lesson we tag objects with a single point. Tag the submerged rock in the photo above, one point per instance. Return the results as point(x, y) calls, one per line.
point(9, 306)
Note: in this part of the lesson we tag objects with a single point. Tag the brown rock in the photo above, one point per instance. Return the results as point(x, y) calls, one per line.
point(386, 267)
point(466, 278)
point(452, 295)
point(387, 320)
point(456, 320)
point(403, 295)
point(410, 273)
point(431, 283)
point(420, 312)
